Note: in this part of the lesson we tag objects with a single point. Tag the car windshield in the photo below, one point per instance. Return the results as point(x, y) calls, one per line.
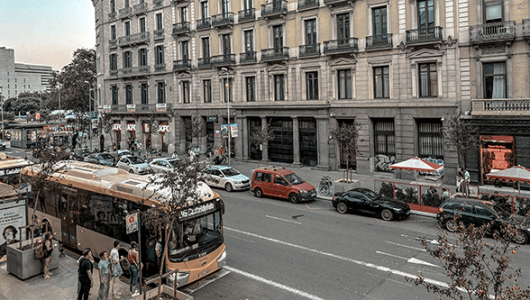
point(370, 194)
point(293, 179)
point(136, 160)
point(106, 156)
point(230, 172)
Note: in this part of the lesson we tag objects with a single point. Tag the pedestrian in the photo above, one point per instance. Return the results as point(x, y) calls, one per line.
point(445, 194)
point(133, 269)
point(467, 181)
point(114, 147)
point(174, 155)
point(104, 275)
point(74, 141)
point(139, 149)
point(48, 249)
point(85, 274)
point(132, 149)
point(101, 142)
point(216, 154)
point(115, 260)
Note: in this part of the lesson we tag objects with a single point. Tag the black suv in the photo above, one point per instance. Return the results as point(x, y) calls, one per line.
point(478, 212)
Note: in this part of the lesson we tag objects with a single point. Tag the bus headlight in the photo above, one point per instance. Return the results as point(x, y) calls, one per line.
point(221, 261)
point(182, 278)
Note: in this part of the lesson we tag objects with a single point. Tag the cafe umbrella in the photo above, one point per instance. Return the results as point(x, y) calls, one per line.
point(514, 174)
point(417, 165)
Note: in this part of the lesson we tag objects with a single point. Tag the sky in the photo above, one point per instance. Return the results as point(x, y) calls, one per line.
point(46, 32)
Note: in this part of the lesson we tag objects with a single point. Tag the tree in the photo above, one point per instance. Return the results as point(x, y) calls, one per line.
point(105, 124)
point(462, 135)
point(262, 137)
point(194, 128)
point(22, 105)
point(74, 91)
point(346, 136)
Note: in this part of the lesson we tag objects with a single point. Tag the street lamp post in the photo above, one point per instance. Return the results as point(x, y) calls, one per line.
point(227, 85)
point(2, 104)
point(89, 115)
point(59, 86)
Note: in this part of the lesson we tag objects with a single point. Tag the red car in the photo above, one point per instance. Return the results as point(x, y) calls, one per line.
point(281, 183)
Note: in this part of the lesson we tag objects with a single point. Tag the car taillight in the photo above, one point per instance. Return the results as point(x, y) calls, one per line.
point(333, 197)
point(440, 210)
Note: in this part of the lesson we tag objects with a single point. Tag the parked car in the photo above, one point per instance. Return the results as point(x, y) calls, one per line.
point(133, 164)
point(163, 165)
point(226, 177)
point(2, 145)
point(365, 201)
point(281, 183)
point(477, 212)
point(100, 159)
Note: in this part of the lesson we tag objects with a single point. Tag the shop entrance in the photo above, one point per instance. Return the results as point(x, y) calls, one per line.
point(347, 161)
point(254, 124)
point(210, 134)
point(308, 141)
point(281, 147)
point(496, 154)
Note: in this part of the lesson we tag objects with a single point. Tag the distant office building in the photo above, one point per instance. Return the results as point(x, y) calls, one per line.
point(16, 78)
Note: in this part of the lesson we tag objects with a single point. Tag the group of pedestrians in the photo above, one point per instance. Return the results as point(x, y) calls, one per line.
point(134, 145)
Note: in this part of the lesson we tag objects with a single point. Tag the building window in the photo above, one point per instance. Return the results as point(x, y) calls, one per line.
point(144, 93)
point(381, 82)
point(207, 90)
point(142, 24)
point(251, 88)
point(159, 54)
point(311, 32)
point(428, 80)
point(493, 11)
point(127, 60)
point(159, 21)
point(142, 57)
point(278, 38)
point(226, 44)
point(113, 32)
point(16, 86)
point(161, 92)
point(430, 139)
point(311, 80)
point(204, 10)
point(343, 28)
point(112, 6)
point(126, 3)
point(114, 94)
point(185, 52)
point(379, 21)
point(184, 14)
point(128, 94)
point(345, 86)
point(225, 7)
point(247, 5)
point(206, 47)
point(384, 136)
point(495, 80)
point(227, 85)
point(425, 13)
point(186, 92)
point(249, 41)
point(127, 28)
point(279, 90)
point(113, 61)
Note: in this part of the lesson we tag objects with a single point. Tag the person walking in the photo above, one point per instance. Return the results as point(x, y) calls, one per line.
point(139, 145)
point(104, 275)
point(48, 249)
point(134, 268)
point(116, 269)
point(101, 142)
point(85, 275)
point(174, 155)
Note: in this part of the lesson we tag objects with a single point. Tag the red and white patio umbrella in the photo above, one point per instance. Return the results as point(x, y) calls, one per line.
point(417, 165)
point(514, 174)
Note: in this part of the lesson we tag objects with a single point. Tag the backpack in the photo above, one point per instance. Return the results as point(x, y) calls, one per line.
point(151, 253)
point(39, 253)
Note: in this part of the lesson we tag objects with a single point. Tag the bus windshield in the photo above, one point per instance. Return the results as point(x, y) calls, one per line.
point(195, 238)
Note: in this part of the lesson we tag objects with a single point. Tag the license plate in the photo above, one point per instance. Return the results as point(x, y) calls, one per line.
point(204, 273)
point(408, 212)
point(313, 194)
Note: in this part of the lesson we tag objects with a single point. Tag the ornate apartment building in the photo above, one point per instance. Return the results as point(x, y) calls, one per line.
point(304, 67)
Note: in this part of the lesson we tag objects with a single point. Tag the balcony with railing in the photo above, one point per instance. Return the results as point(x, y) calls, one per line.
point(309, 50)
point(275, 54)
point(142, 108)
point(181, 28)
point(112, 16)
point(158, 34)
point(276, 8)
point(500, 107)
point(180, 1)
point(140, 8)
point(125, 12)
point(526, 28)
point(134, 71)
point(246, 15)
point(425, 35)
point(113, 73)
point(338, 2)
point(113, 43)
point(247, 57)
point(492, 32)
point(307, 4)
point(377, 42)
point(158, 3)
point(223, 60)
point(203, 24)
point(182, 65)
point(341, 46)
point(224, 19)
point(204, 63)
point(133, 39)
point(160, 68)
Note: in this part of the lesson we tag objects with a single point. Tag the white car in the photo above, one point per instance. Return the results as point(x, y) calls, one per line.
point(133, 164)
point(163, 165)
point(226, 177)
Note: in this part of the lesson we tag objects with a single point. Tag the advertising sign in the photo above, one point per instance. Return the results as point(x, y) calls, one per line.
point(212, 119)
point(131, 223)
point(37, 116)
point(12, 216)
point(106, 108)
point(163, 127)
point(224, 131)
point(131, 107)
point(234, 129)
point(116, 126)
point(161, 107)
point(131, 127)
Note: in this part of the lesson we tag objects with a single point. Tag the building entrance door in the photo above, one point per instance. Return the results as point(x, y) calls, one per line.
point(281, 147)
point(254, 124)
point(308, 142)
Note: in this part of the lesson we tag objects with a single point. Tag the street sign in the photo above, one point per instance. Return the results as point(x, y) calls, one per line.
point(212, 119)
point(37, 116)
point(131, 223)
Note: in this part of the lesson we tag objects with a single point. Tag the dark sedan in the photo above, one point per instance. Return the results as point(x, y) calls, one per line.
point(365, 201)
point(100, 159)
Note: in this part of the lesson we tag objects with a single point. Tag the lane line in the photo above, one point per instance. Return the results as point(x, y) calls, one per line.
point(238, 238)
point(274, 284)
point(390, 279)
point(280, 219)
point(410, 247)
point(392, 255)
point(206, 281)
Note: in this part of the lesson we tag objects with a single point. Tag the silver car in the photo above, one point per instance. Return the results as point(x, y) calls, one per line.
point(226, 177)
point(163, 165)
point(133, 164)
point(100, 159)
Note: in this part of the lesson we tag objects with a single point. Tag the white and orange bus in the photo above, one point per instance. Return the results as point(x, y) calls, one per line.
point(87, 207)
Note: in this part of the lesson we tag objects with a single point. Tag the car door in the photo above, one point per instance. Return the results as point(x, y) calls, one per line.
point(122, 164)
point(366, 205)
point(355, 200)
point(484, 215)
point(265, 184)
point(218, 178)
point(282, 188)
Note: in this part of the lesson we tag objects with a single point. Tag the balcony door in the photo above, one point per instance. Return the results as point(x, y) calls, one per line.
point(425, 14)
point(379, 19)
point(225, 8)
point(311, 33)
point(206, 49)
point(278, 38)
point(184, 14)
point(249, 46)
point(493, 11)
point(226, 44)
point(343, 28)
point(204, 9)
point(185, 53)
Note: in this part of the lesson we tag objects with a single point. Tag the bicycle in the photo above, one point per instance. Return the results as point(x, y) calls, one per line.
point(324, 188)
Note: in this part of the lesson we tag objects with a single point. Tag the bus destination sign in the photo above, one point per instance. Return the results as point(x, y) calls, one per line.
point(198, 210)
point(10, 171)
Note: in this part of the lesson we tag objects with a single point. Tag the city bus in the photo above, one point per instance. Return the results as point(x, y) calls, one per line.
point(87, 205)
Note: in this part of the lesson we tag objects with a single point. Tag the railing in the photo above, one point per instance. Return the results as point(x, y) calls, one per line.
point(274, 8)
point(158, 33)
point(491, 31)
point(330, 2)
point(160, 68)
point(204, 63)
point(125, 72)
point(136, 38)
point(342, 45)
point(382, 40)
point(113, 73)
point(181, 27)
point(303, 4)
point(311, 49)
point(247, 57)
point(498, 106)
point(203, 23)
point(125, 12)
point(223, 19)
point(516, 205)
point(424, 34)
point(140, 8)
point(112, 16)
point(146, 108)
point(158, 3)
point(246, 15)
point(113, 43)
point(180, 1)
point(526, 27)
point(183, 64)
point(225, 59)
point(275, 53)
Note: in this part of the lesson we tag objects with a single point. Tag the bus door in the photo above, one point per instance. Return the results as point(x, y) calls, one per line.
point(69, 213)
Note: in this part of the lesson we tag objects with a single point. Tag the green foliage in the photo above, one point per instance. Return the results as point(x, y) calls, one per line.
point(346, 136)
point(462, 135)
point(22, 105)
point(262, 137)
point(193, 127)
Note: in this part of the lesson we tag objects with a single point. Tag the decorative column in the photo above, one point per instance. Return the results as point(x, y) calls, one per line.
point(182, 135)
point(241, 138)
point(244, 135)
point(322, 140)
point(265, 150)
point(124, 135)
point(296, 142)
point(171, 135)
point(203, 135)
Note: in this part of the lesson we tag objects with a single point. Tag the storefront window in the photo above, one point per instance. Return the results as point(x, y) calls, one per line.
point(496, 153)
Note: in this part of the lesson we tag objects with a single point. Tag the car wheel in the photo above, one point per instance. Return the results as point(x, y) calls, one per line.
point(520, 238)
point(342, 208)
point(228, 187)
point(387, 215)
point(258, 192)
point(451, 225)
point(293, 198)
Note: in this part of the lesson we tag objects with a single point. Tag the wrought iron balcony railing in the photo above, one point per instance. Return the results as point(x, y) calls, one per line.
point(181, 65)
point(246, 15)
point(204, 63)
point(158, 34)
point(224, 59)
point(492, 31)
point(133, 39)
point(526, 27)
point(223, 19)
point(341, 46)
point(334, 2)
point(500, 106)
point(275, 8)
point(180, 1)
point(160, 68)
point(134, 71)
point(279, 53)
point(112, 16)
point(203, 23)
point(306, 4)
point(180, 28)
point(142, 108)
point(113, 73)
point(158, 3)
point(125, 12)
point(311, 49)
point(420, 35)
point(140, 8)
point(376, 41)
point(247, 57)
point(113, 43)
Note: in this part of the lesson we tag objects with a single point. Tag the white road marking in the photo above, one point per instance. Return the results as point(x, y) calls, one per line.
point(390, 279)
point(206, 281)
point(274, 284)
point(411, 260)
point(410, 247)
point(240, 238)
point(276, 218)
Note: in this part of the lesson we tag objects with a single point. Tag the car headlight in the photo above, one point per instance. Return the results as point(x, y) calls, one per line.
point(237, 182)
point(398, 209)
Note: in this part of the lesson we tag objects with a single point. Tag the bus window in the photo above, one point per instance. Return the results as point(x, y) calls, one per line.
point(85, 214)
point(49, 201)
point(101, 207)
point(64, 203)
